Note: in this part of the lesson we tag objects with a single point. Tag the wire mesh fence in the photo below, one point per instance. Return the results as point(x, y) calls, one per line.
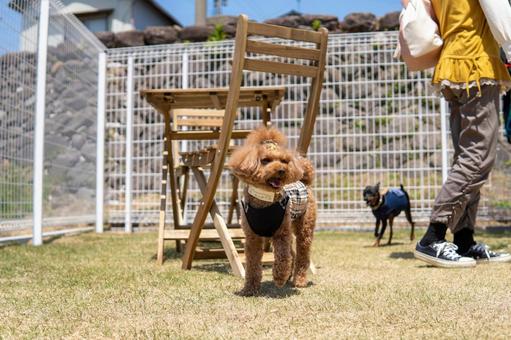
point(377, 123)
point(70, 104)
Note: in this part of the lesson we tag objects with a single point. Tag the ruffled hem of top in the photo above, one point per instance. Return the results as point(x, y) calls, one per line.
point(466, 72)
point(504, 85)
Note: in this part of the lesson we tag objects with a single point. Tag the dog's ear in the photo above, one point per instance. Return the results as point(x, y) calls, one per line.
point(245, 161)
point(378, 186)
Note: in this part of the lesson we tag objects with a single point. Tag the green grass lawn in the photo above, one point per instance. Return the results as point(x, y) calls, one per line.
point(108, 286)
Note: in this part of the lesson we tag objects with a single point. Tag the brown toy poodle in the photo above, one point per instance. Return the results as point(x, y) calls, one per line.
point(278, 202)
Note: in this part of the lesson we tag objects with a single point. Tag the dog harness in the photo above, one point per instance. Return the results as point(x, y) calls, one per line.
point(395, 201)
point(266, 221)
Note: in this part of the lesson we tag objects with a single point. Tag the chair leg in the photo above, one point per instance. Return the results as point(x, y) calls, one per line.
point(163, 203)
point(179, 246)
point(221, 227)
point(234, 200)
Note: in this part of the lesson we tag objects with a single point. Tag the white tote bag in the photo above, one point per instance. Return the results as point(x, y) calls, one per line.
point(420, 31)
point(498, 16)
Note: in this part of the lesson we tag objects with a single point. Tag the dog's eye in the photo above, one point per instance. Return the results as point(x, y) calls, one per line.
point(284, 161)
point(265, 161)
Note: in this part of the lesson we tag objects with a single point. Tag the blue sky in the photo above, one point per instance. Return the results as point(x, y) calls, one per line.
point(261, 10)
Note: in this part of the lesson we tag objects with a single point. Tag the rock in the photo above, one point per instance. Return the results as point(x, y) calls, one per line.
point(308, 19)
point(130, 38)
point(358, 161)
point(224, 20)
point(389, 22)
point(359, 22)
point(85, 194)
point(196, 33)
point(288, 21)
point(107, 38)
point(156, 35)
point(67, 159)
point(89, 152)
point(77, 141)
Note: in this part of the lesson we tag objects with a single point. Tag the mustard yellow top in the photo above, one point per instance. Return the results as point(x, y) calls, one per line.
point(470, 53)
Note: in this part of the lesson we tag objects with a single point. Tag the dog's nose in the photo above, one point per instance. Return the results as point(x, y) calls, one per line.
point(281, 173)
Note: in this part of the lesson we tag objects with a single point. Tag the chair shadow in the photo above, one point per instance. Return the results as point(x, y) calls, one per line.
point(168, 254)
point(384, 245)
point(406, 255)
point(218, 267)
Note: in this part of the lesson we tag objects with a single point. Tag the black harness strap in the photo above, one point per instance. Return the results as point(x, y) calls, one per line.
point(266, 221)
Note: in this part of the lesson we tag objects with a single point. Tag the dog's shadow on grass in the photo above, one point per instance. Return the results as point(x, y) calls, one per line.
point(269, 290)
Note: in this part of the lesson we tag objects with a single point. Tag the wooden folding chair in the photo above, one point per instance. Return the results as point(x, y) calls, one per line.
point(168, 101)
point(306, 62)
point(195, 120)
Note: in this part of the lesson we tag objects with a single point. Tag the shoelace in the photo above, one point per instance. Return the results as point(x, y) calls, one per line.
point(447, 249)
point(481, 247)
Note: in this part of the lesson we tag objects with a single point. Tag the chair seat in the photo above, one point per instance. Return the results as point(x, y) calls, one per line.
point(201, 157)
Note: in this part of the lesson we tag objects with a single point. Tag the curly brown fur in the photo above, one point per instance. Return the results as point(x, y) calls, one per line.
point(266, 162)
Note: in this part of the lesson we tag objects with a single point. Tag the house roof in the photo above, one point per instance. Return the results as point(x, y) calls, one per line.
point(164, 12)
point(20, 5)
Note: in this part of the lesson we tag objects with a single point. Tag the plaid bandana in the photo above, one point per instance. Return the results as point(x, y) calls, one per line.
point(297, 193)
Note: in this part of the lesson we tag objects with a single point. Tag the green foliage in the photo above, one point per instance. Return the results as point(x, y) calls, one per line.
point(502, 204)
point(218, 34)
point(316, 24)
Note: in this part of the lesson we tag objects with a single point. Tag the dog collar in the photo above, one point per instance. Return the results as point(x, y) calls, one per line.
point(261, 194)
point(376, 207)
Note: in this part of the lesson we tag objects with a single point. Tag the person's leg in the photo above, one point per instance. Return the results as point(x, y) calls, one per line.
point(479, 124)
point(464, 237)
point(436, 231)
point(475, 149)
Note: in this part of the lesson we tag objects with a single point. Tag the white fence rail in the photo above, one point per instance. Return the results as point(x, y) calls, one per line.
point(378, 123)
point(48, 104)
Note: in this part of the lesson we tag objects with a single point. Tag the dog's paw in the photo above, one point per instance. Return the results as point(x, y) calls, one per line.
point(300, 282)
point(376, 243)
point(280, 283)
point(248, 291)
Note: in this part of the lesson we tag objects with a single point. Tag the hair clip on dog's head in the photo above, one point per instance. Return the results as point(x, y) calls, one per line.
point(270, 145)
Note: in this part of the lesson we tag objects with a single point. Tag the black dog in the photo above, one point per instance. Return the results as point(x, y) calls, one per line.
point(387, 207)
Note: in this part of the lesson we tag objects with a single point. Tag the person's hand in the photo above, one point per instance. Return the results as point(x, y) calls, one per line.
point(405, 3)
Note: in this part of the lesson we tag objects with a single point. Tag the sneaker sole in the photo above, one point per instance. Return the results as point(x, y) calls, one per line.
point(502, 259)
point(435, 261)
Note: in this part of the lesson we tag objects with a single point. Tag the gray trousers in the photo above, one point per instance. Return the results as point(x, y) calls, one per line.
point(474, 127)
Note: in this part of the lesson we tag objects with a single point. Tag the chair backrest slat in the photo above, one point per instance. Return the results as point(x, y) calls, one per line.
point(202, 119)
point(285, 51)
point(282, 68)
point(283, 32)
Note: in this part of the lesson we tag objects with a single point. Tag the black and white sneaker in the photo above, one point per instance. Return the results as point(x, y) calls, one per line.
point(482, 253)
point(442, 254)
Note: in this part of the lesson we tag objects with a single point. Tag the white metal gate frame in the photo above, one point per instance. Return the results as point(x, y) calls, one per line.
point(65, 54)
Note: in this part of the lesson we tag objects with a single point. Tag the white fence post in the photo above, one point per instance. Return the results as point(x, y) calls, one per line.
point(42, 53)
point(129, 147)
point(100, 142)
point(443, 131)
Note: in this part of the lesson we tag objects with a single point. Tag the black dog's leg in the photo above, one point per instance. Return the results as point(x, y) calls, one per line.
point(391, 222)
point(408, 214)
point(376, 227)
point(382, 231)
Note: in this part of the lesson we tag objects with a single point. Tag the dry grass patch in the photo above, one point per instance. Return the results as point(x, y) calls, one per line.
point(108, 286)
